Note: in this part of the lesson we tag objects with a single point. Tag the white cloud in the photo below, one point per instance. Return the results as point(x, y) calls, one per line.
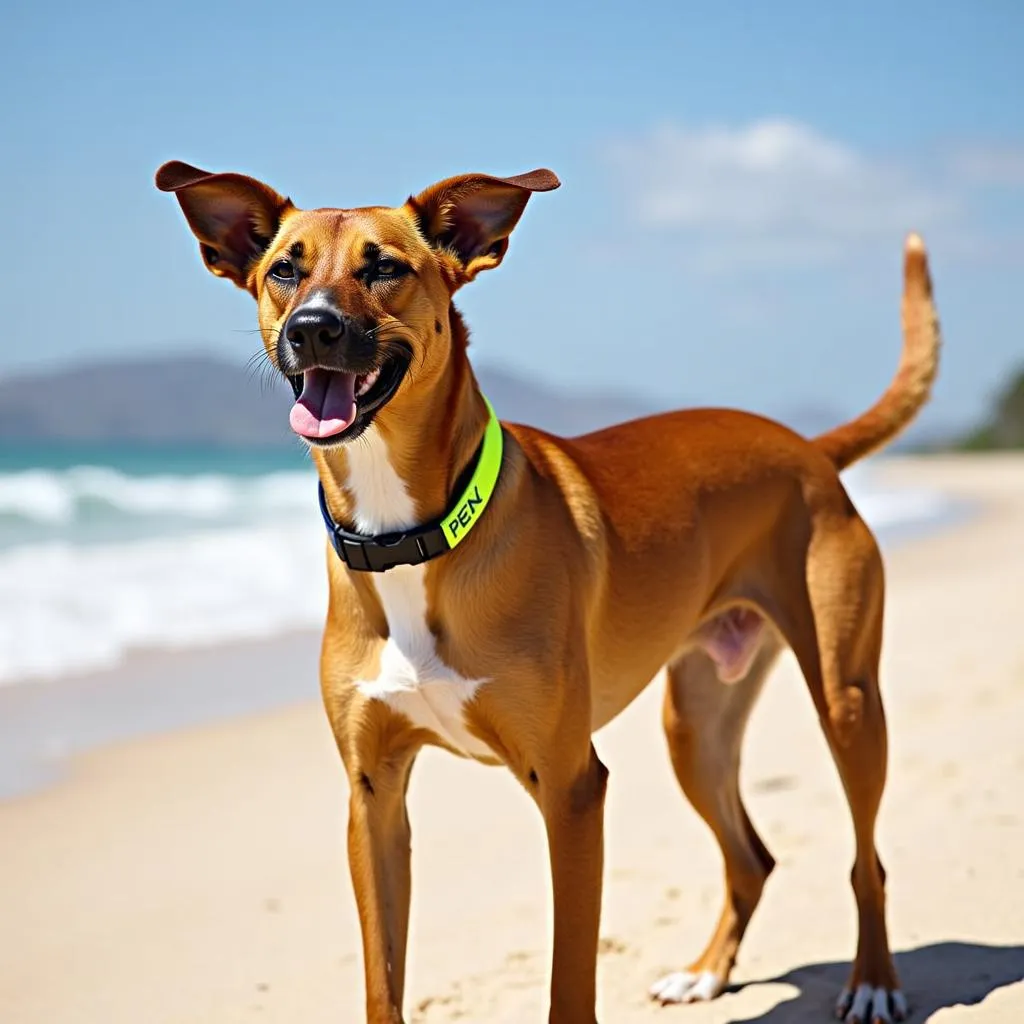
point(990, 165)
point(778, 191)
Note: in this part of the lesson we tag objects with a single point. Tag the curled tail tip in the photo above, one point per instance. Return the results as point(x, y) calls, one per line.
point(914, 243)
point(917, 276)
point(911, 387)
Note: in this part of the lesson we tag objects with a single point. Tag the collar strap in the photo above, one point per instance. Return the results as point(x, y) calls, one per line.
point(413, 547)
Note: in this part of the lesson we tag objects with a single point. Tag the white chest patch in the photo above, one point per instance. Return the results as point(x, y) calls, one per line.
point(413, 679)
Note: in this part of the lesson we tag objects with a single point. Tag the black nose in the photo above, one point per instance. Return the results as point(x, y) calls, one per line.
point(308, 326)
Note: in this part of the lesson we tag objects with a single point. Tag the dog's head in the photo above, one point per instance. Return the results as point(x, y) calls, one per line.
point(350, 299)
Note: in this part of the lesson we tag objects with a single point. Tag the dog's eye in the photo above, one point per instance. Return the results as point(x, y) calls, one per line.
point(387, 267)
point(283, 270)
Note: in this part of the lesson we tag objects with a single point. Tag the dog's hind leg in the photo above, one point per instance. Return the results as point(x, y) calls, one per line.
point(704, 721)
point(835, 630)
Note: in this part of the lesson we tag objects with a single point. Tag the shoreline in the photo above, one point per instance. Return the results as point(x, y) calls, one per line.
point(45, 723)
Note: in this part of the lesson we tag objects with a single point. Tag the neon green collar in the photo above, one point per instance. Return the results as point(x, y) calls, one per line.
point(457, 523)
point(413, 547)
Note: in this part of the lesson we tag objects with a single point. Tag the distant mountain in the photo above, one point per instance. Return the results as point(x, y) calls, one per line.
point(523, 400)
point(169, 400)
point(197, 399)
point(202, 400)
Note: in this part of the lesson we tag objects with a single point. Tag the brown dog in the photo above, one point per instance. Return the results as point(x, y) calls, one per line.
point(701, 540)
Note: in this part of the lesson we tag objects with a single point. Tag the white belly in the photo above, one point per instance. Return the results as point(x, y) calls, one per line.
point(413, 680)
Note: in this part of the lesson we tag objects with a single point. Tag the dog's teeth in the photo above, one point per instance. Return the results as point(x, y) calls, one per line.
point(368, 381)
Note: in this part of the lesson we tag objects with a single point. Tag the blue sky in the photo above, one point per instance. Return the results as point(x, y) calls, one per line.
point(737, 178)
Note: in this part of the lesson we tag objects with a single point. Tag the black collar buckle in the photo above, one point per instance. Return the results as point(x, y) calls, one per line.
point(383, 551)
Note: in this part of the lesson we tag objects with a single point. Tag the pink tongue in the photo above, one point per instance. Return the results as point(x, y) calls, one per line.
point(327, 405)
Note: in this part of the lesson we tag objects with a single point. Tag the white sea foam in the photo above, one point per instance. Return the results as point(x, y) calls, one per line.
point(61, 496)
point(245, 558)
point(891, 511)
point(65, 608)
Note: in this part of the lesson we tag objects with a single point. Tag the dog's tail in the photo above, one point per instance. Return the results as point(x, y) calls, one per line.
point(912, 385)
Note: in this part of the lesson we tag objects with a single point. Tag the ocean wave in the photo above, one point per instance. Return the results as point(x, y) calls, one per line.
point(885, 510)
point(60, 497)
point(250, 563)
point(67, 608)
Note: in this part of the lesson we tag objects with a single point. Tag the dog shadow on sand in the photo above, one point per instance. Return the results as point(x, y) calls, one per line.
point(933, 977)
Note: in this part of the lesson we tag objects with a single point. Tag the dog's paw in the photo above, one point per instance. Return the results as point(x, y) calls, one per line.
point(870, 1005)
point(687, 987)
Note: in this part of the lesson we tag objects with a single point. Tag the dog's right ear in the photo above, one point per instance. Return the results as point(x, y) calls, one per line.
point(233, 216)
point(471, 216)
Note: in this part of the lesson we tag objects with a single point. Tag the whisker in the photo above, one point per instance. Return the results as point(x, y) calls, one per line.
point(261, 368)
point(256, 364)
point(268, 378)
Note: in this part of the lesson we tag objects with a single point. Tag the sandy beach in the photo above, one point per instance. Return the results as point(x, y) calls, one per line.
point(198, 875)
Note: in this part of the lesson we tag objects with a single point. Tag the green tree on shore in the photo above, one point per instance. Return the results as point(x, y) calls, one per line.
point(1005, 426)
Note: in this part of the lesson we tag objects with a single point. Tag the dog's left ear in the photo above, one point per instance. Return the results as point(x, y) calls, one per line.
point(233, 216)
point(471, 216)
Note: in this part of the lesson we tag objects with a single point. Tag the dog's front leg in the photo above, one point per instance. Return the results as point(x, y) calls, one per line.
point(572, 802)
point(378, 855)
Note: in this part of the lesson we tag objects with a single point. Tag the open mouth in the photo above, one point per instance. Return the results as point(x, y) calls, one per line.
point(334, 405)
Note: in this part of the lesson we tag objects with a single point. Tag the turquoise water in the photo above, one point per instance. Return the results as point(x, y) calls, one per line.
point(142, 460)
point(109, 548)
point(86, 494)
